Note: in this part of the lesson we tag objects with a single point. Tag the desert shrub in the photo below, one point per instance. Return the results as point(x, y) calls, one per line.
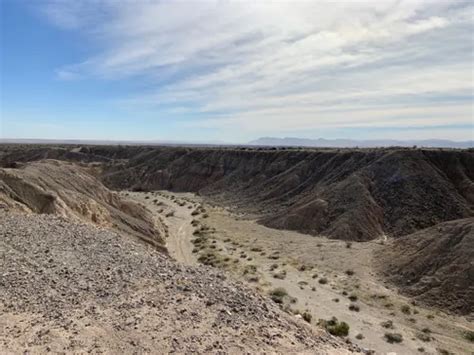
point(252, 278)
point(387, 324)
point(354, 307)
point(444, 351)
point(170, 214)
point(307, 316)
point(350, 272)
point(405, 309)
point(315, 276)
point(353, 297)
point(334, 327)
point(423, 337)
point(359, 336)
point(421, 349)
point(205, 215)
point(194, 213)
point(469, 335)
point(335, 300)
point(256, 249)
point(280, 275)
point(250, 269)
point(273, 267)
point(302, 267)
point(349, 245)
point(323, 281)
point(278, 294)
point(393, 338)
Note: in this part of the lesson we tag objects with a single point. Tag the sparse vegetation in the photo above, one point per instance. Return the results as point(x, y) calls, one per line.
point(469, 335)
point(387, 324)
point(334, 327)
point(423, 337)
point(353, 297)
point(393, 338)
point(280, 275)
point(278, 294)
point(405, 309)
point(353, 307)
point(307, 316)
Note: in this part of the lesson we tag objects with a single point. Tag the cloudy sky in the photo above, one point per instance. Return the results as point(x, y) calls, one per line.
point(236, 70)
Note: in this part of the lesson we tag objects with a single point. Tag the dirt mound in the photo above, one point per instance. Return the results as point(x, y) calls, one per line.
point(74, 288)
point(434, 265)
point(65, 189)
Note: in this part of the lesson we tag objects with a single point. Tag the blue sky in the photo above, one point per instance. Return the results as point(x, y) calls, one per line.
point(235, 70)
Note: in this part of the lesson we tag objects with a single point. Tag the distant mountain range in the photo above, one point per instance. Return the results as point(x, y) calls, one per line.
point(350, 143)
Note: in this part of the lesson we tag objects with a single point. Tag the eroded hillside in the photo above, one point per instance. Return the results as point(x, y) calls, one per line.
point(343, 194)
point(434, 265)
point(71, 191)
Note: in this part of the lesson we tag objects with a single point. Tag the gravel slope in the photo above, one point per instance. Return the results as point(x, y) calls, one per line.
point(76, 288)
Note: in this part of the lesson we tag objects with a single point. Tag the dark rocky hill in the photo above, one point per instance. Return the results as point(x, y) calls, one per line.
point(434, 265)
point(345, 194)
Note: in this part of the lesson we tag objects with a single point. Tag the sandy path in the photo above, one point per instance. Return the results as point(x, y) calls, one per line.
point(178, 243)
point(177, 216)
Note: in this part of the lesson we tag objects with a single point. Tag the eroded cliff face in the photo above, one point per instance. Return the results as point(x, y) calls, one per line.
point(343, 194)
point(68, 190)
point(352, 195)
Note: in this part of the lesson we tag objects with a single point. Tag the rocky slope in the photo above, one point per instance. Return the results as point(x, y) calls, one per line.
point(434, 265)
point(73, 288)
point(62, 188)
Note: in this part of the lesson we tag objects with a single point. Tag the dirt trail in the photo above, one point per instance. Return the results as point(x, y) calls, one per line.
point(176, 215)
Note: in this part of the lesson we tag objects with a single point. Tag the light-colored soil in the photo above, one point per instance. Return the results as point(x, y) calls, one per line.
point(176, 214)
point(255, 254)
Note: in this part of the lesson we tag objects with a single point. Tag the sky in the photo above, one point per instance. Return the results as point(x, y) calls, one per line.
point(233, 71)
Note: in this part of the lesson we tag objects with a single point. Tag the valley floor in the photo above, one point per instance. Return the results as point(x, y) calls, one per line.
point(322, 278)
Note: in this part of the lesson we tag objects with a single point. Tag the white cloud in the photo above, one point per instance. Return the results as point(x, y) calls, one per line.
point(294, 64)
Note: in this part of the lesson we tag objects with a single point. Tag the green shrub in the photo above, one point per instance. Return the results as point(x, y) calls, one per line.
point(334, 327)
point(278, 294)
point(405, 309)
point(354, 307)
point(387, 324)
point(393, 338)
point(307, 316)
point(423, 337)
point(469, 335)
